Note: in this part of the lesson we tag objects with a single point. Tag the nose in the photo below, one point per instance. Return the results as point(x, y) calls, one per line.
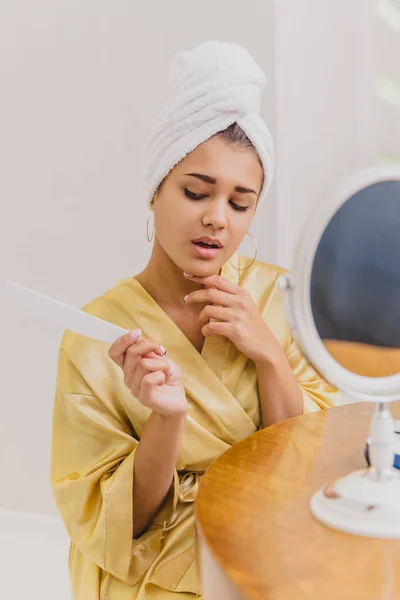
point(215, 215)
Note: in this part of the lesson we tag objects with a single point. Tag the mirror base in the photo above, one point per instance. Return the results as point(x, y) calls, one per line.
point(361, 504)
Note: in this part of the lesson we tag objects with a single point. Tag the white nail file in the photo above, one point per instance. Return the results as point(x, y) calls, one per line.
point(65, 316)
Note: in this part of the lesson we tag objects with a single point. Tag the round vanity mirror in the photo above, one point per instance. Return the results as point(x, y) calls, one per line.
point(355, 282)
point(343, 302)
point(343, 294)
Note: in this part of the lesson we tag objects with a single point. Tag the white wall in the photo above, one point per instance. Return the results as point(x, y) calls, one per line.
point(324, 87)
point(80, 81)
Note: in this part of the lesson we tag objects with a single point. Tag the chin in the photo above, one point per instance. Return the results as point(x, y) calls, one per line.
point(204, 268)
point(198, 266)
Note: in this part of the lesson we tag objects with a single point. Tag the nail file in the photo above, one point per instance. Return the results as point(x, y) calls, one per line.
point(65, 316)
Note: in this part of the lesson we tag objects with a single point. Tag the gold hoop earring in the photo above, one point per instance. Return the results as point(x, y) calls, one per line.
point(255, 256)
point(149, 239)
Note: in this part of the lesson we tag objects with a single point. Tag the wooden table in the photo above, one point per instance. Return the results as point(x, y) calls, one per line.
point(257, 536)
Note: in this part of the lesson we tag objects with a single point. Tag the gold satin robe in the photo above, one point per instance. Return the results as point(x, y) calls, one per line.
point(97, 425)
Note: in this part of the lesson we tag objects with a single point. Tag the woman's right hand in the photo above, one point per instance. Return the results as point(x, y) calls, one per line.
point(151, 377)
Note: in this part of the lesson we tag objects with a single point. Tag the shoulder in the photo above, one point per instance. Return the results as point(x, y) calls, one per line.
point(112, 306)
point(113, 302)
point(84, 369)
point(267, 270)
point(260, 275)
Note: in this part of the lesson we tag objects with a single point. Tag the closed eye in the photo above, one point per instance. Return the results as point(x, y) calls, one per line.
point(194, 196)
point(238, 207)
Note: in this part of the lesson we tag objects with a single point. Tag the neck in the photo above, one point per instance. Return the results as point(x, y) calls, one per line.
point(164, 281)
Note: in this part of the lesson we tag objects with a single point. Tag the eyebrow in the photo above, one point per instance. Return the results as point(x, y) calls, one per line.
point(208, 179)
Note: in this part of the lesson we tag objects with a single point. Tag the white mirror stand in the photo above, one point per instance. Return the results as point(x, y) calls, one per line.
point(365, 502)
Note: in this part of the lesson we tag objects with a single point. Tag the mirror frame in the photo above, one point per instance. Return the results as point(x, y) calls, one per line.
point(297, 296)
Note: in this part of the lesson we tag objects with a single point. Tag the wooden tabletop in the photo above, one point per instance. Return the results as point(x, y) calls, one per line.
point(253, 513)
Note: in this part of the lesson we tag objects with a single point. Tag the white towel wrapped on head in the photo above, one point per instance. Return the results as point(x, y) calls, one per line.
point(210, 87)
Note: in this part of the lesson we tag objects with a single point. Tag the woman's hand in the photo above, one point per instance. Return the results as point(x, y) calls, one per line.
point(151, 377)
point(237, 318)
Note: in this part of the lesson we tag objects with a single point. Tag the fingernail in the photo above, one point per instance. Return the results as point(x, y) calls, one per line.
point(186, 297)
point(187, 274)
point(163, 349)
point(136, 333)
point(170, 374)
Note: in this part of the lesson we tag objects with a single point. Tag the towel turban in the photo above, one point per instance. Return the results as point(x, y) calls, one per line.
point(209, 88)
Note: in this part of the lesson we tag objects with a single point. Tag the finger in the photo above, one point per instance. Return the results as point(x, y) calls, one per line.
point(151, 355)
point(117, 350)
point(211, 296)
point(217, 281)
point(214, 328)
point(149, 385)
point(220, 313)
point(141, 349)
point(149, 365)
point(136, 367)
point(147, 346)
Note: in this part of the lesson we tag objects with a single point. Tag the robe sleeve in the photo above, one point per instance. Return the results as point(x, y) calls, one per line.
point(92, 467)
point(317, 392)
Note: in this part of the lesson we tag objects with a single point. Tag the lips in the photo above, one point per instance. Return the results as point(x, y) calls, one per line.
point(204, 251)
point(208, 242)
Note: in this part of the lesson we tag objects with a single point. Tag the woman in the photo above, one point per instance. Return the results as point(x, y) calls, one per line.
point(210, 357)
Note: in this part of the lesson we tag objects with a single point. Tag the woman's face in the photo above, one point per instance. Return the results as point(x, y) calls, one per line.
point(211, 193)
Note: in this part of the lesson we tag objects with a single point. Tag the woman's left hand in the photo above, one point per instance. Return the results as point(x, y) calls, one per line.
point(237, 318)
